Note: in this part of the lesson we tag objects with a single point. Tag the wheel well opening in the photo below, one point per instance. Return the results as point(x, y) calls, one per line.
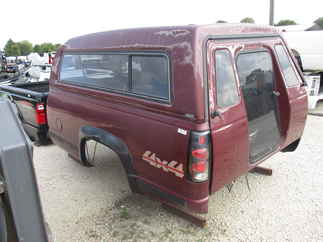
point(92, 150)
point(106, 162)
point(107, 146)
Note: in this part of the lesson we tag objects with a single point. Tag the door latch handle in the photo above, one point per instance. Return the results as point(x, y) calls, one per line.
point(216, 113)
point(276, 93)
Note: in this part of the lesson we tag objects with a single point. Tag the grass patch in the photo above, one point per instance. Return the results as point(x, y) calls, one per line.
point(124, 213)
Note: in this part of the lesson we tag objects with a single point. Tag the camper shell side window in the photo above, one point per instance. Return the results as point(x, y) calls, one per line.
point(137, 74)
point(226, 86)
point(150, 76)
point(256, 75)
point(291, 78)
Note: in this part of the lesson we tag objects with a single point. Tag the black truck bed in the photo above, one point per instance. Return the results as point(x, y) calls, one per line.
point(36, 90)
point(28, 97)
point(42, 87)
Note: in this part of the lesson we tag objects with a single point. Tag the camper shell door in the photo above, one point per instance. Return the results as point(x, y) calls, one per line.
point(249, 105)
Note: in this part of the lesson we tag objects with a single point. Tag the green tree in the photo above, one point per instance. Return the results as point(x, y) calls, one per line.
point(15, 50)
point(247, 20)
point(25, 47)
point(319, 22)
point(57, 46)
point(11, 48)
point(285, 22)
point(221, 21)
point(46, 47)
point(8, 47)
point(37, 49)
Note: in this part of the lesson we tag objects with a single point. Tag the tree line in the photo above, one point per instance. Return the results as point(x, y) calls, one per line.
point(25, 48)
point(283, 22)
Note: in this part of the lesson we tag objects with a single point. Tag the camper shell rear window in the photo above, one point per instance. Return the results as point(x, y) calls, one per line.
point(140, 74)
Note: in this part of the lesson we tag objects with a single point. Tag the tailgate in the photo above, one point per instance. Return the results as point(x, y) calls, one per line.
point(26, 102)
point(26, 110)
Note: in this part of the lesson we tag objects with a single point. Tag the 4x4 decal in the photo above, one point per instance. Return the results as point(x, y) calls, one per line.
point(167, 166)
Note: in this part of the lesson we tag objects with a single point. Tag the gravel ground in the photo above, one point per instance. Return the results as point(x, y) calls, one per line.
point(95, 204)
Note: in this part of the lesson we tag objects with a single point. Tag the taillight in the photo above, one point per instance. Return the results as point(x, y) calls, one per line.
point(200, 156)
point(41, 113)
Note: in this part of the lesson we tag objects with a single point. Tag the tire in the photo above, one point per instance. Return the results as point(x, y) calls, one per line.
point(7, 228)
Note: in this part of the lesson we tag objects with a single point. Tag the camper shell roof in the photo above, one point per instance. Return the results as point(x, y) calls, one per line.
point(164, 37)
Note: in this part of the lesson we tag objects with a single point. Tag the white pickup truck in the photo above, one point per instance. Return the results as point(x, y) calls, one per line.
point(309, 45)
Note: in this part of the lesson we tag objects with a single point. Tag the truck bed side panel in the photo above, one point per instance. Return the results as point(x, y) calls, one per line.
point(150, 132)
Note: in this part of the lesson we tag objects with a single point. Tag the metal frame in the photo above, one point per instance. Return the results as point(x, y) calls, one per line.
point(262, 170)
point(128, 92)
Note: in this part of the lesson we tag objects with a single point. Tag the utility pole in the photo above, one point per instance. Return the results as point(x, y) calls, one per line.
point(271, 12)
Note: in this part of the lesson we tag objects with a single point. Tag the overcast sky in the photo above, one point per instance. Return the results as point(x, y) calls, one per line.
point(57, 20)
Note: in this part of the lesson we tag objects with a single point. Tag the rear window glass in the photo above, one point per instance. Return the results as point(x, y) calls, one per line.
point(289, 73)
point(255, 72)
point(226, 89)
point(255, 69)
point(148, 77)
point(101, 71)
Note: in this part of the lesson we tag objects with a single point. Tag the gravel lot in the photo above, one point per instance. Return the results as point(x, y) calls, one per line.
point(95, 204)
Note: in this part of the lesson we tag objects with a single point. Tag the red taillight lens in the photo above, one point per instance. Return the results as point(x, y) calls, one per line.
point(200, 150)
point(202, 140)
point(200, 153)
point(41, 113)
point(199, 166)
point(41, 118)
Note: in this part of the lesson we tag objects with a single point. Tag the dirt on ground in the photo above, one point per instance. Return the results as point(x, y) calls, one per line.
point(95, 204)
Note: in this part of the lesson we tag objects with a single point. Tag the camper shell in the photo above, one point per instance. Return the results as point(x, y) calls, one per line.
point(187, 108)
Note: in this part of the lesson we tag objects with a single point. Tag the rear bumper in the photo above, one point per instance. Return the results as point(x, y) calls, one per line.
point(144, 187)
point(38, 134)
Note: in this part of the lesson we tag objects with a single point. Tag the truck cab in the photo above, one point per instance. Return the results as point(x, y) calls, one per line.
point(187, 108)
